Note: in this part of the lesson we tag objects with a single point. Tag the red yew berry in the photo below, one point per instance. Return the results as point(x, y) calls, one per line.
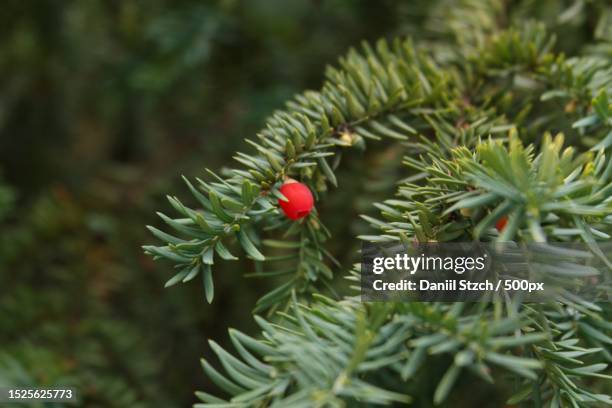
point(300, 199)
point(501, 223)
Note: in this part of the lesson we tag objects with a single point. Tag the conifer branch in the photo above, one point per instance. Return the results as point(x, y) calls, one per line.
point(478, 129)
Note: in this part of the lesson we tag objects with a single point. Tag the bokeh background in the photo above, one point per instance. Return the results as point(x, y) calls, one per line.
point(103, 105)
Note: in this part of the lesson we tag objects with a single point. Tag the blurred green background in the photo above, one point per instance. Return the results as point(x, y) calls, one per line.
point(103, 105)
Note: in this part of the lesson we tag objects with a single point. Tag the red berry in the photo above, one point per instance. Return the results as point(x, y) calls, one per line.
point(501, 223)
point(300, 200)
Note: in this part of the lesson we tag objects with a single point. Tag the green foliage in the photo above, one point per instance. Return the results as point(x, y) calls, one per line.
point(552, 195)
point(320, 355)
point(102, 105)
point(357, 103)
point(475, 117)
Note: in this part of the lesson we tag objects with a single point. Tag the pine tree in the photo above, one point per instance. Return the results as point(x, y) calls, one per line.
point(494, 124)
